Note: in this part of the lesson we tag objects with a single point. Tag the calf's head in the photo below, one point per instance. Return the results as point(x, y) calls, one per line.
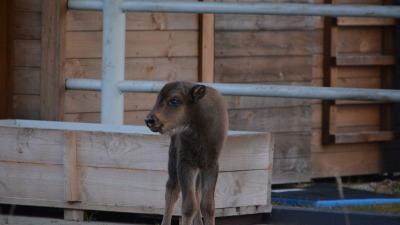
point(170, 112)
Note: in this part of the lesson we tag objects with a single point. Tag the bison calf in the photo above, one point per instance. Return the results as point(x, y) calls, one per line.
point(195, 117)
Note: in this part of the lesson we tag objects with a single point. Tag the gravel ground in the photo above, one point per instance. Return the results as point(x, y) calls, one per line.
point(25, 220)
point(387, 186)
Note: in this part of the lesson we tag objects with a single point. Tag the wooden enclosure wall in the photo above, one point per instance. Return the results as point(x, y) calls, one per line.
point(162, 47)
point(6, 41)
point(358, 39)
point(272, 50)
point(248, 49)
point(27, 58)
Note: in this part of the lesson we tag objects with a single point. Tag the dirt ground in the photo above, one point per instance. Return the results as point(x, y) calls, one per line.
point(387, 186)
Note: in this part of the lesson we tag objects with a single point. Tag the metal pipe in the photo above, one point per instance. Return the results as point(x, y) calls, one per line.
point(293, 9)
point(298, 9)
point(113, 64)
point(96, 5)
point(83, 84)
point(256, 90)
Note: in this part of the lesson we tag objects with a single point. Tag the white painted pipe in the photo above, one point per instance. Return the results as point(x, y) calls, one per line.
point(113, 64)
point(298, 9)
point(96, 5)
point(256, 90)
point(293, 9)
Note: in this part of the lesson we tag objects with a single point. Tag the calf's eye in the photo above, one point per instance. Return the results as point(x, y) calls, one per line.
point(174, 102)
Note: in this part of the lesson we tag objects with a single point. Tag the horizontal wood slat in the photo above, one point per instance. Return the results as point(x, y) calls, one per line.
point(114, 171)
point(138, 44)
point(364, 60)
point(364, 137)
point(93, 21)
point(122, 151)
point(356, 21)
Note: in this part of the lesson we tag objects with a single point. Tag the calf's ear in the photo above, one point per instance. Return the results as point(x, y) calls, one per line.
point(197, 92)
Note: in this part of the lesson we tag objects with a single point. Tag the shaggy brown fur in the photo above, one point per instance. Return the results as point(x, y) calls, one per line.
point(195, 117)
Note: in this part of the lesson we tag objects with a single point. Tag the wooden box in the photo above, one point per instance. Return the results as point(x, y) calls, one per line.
point(84, 166)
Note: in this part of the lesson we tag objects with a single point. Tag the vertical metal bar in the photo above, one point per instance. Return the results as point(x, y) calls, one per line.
point(112, 100)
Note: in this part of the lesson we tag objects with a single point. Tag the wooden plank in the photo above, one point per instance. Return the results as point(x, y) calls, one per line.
point(33, 181)
point(230, 22)
point(359, 40)
point(244, 102)
point(26, 81)
point(82, 20)
point(263, 69)
point(115, 187)
point(350, 115)
point(206, 72)
point(162, 69)
point(28, 25)
point(88, 101)
point(138, 191)
point(138, 44)
point(91, 118)
point(31, 146)
point(292, 145)
point(132, 151)
point(70, 170)
point(346, 163)
point(26, 107)
point(357, 21)
point(318, 147)
point(162, 21)
point(364, 60)
point(27, 53)
point(329, 79)
point(286, 119)
point(358, 115)
point(364, 137)
point(52, 58)
point(130, 117)
point(296, 119)
point(28, 5)
point(122, 151)
point(222, 212)
point(359, 82)
point(292, 170)
point(6, 56)
point(263, 43)
point(93, 21)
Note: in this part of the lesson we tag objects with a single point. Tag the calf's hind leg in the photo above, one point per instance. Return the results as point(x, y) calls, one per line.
point(208, 178)
point(187, 179)
point(172, 186)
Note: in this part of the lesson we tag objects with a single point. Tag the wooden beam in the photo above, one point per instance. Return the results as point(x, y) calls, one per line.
point(206, 69)
point(358, 21)
point(6, 58)
point(71, 183)
point(52, 58)
point(364, 60)
point(364, 137)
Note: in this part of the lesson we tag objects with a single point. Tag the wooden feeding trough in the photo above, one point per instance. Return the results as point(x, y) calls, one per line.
point(81, 166)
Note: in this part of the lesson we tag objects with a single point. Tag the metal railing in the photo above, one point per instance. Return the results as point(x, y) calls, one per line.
point(113, 85)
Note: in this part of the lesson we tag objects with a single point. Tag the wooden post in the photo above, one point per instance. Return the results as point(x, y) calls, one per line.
point(6, 58)
point(207, 47)
point(71, 181)
point(52, 59)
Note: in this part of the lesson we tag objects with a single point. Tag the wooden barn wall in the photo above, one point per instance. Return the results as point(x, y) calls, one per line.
point(354, 117)
point(27, 58)
point(272, 50)
point(248, 49)
point(161, 47)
